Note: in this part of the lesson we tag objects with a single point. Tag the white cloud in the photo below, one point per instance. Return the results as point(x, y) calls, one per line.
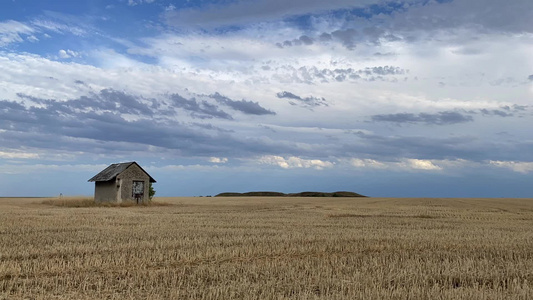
point(137, 2)
point(208, 51)
point(59, 27)
point(406, 164)
point(420, 164)
point(368, 163)
point(63, 54)
point(68, 53)
point(442, 79)
point(32, 39)
point(295, 162)
point(13, 32)
point(18, 155)
point(520, 167)
point(107, 58)
point(170, 7)
point(218, 160)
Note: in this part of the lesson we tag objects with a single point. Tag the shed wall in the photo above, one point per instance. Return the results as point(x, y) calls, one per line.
point(105, 191)
point(132, 173)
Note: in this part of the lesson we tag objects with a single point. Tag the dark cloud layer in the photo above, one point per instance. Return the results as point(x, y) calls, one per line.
point(416, 20)
point(483, 15)
point(440, 118)
point(118, 122)
point(302, 101)
point(496, 112)
point(247, 107)
point(504, 111)
point(313, 75)
point(199, 109)
point(446, 148)
point(448, 117)
point(302, 40)
point(105, 100)
point(421, 147)
point(347, 38)
point(245, 12)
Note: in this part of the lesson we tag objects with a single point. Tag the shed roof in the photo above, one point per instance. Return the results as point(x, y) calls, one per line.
point(111, 172)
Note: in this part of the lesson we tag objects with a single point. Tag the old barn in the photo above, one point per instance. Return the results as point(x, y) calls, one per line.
point(122, 182)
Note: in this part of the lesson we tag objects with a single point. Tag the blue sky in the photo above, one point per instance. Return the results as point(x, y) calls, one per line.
point(411, 98)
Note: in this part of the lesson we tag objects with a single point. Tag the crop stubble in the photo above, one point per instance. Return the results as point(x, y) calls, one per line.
point(269, 248)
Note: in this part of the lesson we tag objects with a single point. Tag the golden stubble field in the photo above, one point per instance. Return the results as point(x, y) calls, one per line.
point(269, 248)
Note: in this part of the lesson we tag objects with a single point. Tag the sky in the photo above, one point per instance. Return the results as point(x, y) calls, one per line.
point(399, 98)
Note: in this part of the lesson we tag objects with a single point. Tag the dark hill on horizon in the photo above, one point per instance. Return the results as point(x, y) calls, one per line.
point(302, 194)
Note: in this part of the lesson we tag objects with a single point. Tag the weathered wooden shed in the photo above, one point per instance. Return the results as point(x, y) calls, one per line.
point(122, 182)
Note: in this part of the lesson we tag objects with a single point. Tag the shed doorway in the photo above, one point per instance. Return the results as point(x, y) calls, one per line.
point(138, 191)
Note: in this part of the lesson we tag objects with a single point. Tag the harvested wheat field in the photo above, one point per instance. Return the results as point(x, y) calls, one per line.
point(268, 248)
